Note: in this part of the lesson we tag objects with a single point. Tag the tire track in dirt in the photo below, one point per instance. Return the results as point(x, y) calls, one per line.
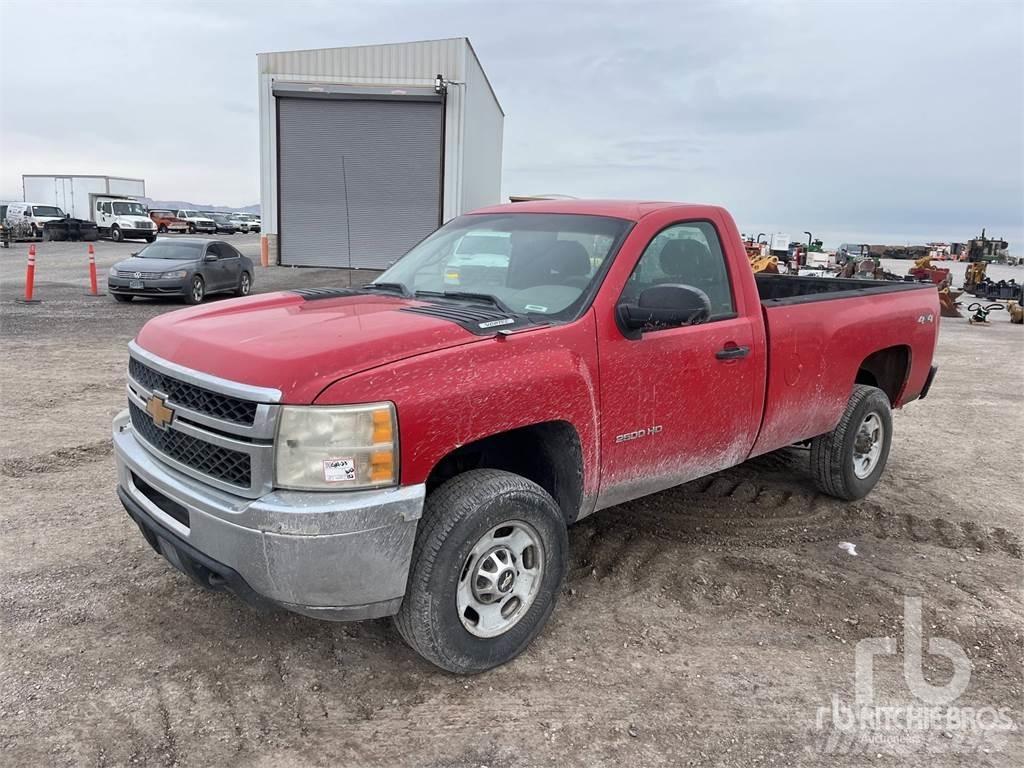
point(59, 460)
point(726, 510)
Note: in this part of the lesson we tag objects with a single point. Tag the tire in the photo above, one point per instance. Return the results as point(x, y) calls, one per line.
point(244, 284)
point(191, 229)
point(116, 235)
point(150, 238)
point(162, 229)
point(462, 521)
point(835, 464)
point(197, 291)
point(123, 298)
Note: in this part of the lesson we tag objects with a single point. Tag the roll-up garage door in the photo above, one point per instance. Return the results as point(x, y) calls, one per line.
point(360, 180)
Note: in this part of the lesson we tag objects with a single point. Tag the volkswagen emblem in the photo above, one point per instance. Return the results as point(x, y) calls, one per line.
point(138, 274)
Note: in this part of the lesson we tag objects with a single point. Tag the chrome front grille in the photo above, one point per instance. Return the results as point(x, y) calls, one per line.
point(140, 276)
point(221, 432)
point(233, 467)
point(232, 409)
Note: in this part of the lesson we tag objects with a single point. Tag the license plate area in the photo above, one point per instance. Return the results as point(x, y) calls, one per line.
point(136, 285)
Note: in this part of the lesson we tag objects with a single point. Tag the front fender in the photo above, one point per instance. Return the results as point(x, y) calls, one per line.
point(452, 397)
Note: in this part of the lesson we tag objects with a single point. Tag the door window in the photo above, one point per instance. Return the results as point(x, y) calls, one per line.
point(689, 254)
point(213, 250)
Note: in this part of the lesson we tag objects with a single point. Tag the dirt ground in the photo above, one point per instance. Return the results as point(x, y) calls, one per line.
point(712, 624)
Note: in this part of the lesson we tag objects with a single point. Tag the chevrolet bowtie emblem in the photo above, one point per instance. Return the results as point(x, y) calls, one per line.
point(157, 408)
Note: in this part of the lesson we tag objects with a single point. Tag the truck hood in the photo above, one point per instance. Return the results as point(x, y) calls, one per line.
point(298, 346)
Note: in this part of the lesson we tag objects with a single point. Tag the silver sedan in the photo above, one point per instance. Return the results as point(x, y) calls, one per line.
point(189, 267)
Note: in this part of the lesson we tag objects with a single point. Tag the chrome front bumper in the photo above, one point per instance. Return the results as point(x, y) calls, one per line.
point(338, 556)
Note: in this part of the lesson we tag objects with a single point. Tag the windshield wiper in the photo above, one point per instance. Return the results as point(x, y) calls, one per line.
point(485, 298)
point(399, 288)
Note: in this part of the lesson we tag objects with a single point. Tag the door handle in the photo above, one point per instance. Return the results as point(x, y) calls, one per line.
point(732, 353)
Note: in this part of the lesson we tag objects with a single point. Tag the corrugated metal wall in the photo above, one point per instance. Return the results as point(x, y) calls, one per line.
point(360, 180)
point(400, 64)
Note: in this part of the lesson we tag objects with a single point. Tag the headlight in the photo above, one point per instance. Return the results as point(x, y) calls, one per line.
point(324, 448)
point(176, 273)
point(113, 271)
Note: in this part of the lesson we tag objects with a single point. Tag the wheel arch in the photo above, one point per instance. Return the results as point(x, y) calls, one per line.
point(887, 369)
point(549, 453)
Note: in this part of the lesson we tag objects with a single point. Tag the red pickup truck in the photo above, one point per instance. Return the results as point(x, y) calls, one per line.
point(417, 447)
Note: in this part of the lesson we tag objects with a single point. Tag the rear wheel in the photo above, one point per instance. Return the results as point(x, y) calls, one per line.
point(124, 298)
point(196, 291)
point(489, 560)
point(244, 285)
point(848, 461)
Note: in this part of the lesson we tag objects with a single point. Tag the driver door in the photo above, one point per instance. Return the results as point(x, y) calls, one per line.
point(681, 402)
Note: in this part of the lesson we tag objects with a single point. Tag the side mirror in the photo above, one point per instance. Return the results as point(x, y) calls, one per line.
point(210, 257)
point(664, 306)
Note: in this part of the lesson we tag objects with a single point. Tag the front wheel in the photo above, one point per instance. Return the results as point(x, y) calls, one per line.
point(191, 229)
point(196, 291)
point(162, 229)
point(116, 235)
point(150, 238)
point(848, 461)
point(487, 565)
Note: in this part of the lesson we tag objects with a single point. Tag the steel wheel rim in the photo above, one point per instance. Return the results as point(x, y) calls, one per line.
point(867, 445)
point(500, 579)
point(197, 290)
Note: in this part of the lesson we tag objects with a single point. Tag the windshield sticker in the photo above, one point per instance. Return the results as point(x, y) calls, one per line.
point(535, 308)
point(503, 321)
point(339, 470)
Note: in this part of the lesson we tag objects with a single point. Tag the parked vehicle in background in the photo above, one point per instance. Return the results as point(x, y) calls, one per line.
point(33, 216)
point(406, 449)
point(225, 226)
point(121, 218)
point(240, 223)
point(70, 229)
point(167, 222)
point(196, 222)
point(191, 268)
point(254, 222)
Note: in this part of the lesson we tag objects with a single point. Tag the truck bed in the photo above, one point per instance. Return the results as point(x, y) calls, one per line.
point(790, 289)
point(815, 350)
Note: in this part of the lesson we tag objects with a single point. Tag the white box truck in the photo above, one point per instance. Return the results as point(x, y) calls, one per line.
point(109, 201)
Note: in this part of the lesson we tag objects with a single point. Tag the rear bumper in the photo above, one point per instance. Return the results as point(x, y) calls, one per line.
point(337, 556)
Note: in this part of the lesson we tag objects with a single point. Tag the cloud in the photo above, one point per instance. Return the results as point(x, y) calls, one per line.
point(867, 118)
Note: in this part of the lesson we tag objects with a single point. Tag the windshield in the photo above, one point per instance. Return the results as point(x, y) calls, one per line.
point(129, 209)
point(535, 263)
point(47, 210)
point(167, 249)
point(191, 214)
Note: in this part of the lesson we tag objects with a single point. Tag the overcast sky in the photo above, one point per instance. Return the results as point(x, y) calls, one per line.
point(887, 122)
